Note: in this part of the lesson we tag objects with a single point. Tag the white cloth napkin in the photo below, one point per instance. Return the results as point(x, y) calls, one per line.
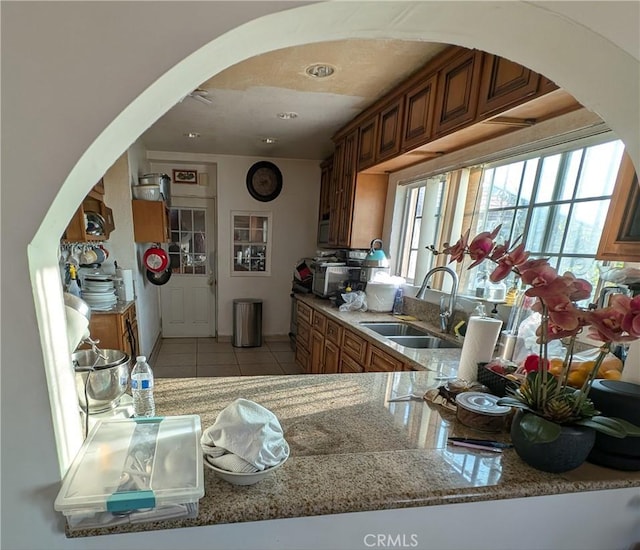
point(246, 437)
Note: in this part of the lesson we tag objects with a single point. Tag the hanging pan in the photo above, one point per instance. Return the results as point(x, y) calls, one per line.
point(159, 278)
point(156, 259)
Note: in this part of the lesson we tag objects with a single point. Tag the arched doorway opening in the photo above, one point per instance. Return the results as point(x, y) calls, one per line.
point(494, 28)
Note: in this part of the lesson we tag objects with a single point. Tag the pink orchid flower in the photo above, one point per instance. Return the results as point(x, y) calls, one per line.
point(606, 325)
point(482, 245)
point(516, 257)
point(554, 332)
point(457, 250)
point(578, 289)
point(540, 278)
point(630, 309)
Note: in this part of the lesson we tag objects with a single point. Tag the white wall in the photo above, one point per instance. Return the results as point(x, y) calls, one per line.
point(110, 70)
point(293, 232)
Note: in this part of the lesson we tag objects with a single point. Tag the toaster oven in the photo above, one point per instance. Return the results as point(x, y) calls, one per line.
point(327, 278)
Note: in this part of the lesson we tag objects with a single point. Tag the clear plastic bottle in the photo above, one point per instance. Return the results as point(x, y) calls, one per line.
point(481, 285)
point(74, 287)
point(142, 388)
point(398, 301)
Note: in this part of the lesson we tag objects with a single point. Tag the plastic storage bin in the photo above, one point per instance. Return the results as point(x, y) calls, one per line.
point(247, 323)
point(133, 471)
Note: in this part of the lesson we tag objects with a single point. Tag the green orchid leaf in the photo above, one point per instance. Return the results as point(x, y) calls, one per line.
point(630, 429)
point(604, 427)
point(539, 430)
point(513, 402)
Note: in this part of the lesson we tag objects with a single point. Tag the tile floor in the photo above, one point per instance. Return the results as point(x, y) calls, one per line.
point(195, 357)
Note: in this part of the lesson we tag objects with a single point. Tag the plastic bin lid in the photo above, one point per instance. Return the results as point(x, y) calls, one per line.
point(129, 464)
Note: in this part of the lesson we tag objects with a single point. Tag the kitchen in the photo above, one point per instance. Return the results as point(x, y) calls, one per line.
point(30, 224)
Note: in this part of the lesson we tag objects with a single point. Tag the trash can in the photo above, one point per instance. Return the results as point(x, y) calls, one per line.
point(247, 323)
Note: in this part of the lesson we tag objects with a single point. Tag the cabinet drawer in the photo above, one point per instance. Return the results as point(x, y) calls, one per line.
point(380, 361)
point(333, 332)
point(305, 313)
point(303, 337)
point(349, 365)
point(319, 322)
point(354, 346)
point(302, 358)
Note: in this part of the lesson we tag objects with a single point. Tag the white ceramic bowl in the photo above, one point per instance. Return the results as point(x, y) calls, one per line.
point(147, 192)
point(238, 478)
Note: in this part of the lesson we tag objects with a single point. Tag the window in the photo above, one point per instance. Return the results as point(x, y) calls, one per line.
point(251, 245)
point(422, 222)
point(557, 202)
point(188, 248)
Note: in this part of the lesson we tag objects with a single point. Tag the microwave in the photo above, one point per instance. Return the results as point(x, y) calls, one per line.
point(327, 278)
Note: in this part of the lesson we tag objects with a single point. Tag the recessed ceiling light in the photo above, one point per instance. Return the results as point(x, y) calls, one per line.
point(287, 115)
point(192, 135)
point(269, 140)
point(320, 70)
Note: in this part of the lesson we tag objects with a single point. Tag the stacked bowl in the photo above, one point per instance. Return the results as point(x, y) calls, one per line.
point(99, 292)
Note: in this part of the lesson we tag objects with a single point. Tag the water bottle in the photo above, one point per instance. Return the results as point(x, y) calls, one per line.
point(398, 302)
point(142, 388)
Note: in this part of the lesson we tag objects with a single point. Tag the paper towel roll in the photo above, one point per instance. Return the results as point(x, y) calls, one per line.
point(479, 343)
point(127, 284)
point(631, 370)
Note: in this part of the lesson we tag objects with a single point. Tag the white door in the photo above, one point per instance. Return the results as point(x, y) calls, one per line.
point(188, 299)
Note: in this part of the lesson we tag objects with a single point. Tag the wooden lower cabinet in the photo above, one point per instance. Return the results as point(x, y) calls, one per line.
point(347, 364)
point(380, 361)
point(116, 330)
point(303, 359)
point(317, 352)
point(331, 358)
point(354, 346)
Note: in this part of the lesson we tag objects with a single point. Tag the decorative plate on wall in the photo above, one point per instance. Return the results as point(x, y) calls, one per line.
point(264, 181)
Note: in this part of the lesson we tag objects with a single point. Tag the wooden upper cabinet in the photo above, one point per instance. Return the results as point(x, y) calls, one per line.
point(621, 234)
point(335, 194)
point(326, 172)
point(457, 92)
point(546, 85)
point(390, 130)
point(150, 221)
point(504, 84)
point(367, 143)
point(418, 114)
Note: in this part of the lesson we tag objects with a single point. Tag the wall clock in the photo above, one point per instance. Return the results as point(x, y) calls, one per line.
point(264, 181)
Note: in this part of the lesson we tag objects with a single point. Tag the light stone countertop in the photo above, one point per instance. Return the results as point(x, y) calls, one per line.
point(352, 450)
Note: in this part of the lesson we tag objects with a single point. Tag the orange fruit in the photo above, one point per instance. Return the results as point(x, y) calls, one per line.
point(612, 374)
point(576, 378)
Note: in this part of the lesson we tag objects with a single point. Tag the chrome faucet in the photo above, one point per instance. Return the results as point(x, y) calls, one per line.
point(446, 314)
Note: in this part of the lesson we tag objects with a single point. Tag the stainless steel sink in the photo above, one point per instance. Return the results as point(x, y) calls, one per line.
point(395, 329)
point(407, 335)
point(422, 342)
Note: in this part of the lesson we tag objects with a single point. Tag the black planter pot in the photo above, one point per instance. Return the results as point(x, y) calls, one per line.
point(567, 452)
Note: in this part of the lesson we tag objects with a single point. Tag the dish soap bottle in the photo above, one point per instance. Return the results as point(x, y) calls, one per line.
point(398, 301)
point(74, 287)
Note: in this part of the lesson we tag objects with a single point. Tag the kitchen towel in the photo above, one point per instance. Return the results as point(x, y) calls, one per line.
point(478, 347)
point(248, 430)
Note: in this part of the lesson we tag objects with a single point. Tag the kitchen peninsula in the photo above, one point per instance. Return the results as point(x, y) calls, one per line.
point(352, 450)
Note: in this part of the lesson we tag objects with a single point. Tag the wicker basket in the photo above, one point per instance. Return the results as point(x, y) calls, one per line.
point(497, 383)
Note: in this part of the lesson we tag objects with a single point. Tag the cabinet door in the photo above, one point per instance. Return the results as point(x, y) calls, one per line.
point(333, 332)
point(317, 352)
point(347, 189)
point(367, 143)
point(331, 357)
point(347, 364)
point(504, 84)
point(326, 172)
point(621, 234)
point(380, 361)
point(150, 221)
point(107, 327)
point(390, 130)
point(319, 322)
point(354, 346)
point(418, 115)
point(457, 92)
point(336, 193)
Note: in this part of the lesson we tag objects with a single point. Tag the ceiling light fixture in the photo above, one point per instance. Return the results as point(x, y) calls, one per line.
point(287, 115)
point(192, 135)
point(269, 140)
point(320, 70)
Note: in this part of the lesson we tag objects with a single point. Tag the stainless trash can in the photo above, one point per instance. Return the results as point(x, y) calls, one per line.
point(247, 323)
